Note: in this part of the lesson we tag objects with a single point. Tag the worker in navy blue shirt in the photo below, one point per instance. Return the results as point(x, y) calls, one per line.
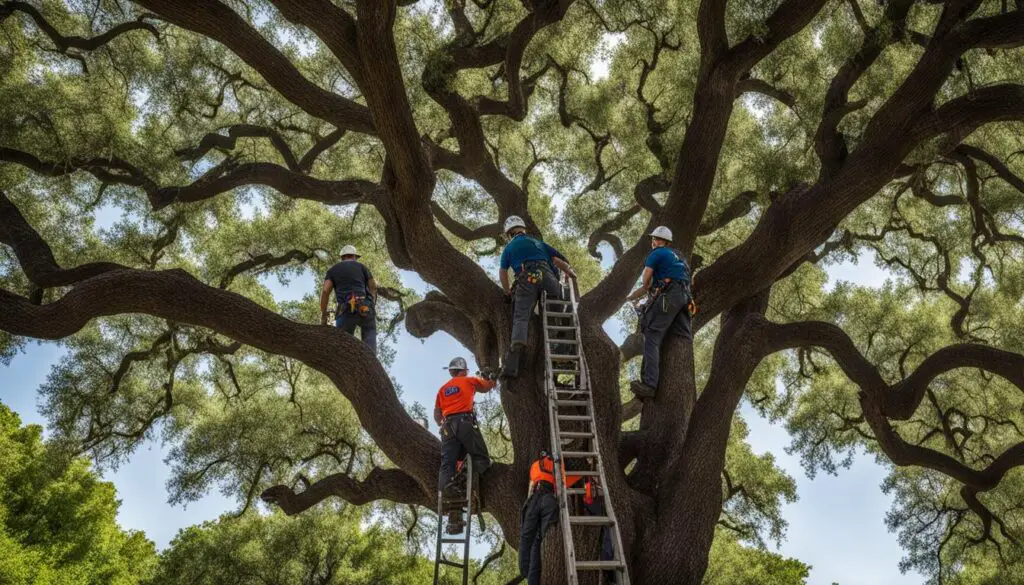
point(666, 281)
point(535, 265)
point(356, 294)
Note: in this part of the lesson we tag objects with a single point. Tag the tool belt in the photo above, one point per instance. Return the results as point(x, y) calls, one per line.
point(533, 271)
point(543, 487)
point(664, 286)
point(360, 305)
point(471, 416)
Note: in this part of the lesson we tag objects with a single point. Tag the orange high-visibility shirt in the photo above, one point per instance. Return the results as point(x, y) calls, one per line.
point(457, 394)
point(543, 470)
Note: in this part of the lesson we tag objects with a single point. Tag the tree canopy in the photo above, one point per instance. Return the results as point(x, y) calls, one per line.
point(58, 521)
point(161, 160)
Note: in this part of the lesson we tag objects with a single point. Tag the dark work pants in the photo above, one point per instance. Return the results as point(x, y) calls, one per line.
point(367, 324)
point(539, 514)
point(665, 313)
point(460, 436)
point(526, 295)
point(596, 508)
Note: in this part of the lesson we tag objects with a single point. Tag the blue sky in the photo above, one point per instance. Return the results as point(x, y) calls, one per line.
point(837, 525)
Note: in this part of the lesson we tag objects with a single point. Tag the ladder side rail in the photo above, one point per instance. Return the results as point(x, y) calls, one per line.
point(469, 519)
point(438, 552)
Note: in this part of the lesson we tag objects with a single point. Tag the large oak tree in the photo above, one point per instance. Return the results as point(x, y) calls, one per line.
point(240, 139)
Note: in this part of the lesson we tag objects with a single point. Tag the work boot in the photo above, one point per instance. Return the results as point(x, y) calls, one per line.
point(455, 490)
point(510, 369)
point(641, 390)
point(456, 524)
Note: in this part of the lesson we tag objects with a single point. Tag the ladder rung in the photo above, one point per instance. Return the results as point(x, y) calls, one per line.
point(565, 341)
point(581, 454)
point(574, 435)
point(453, 541)
point(564, 356)
point(561, 328)
point(583, 472)
point(563, 371)
point(557, 302)
point(591, 520)
point(557, 315)
point(572, 402)
point(567, 390)
point(584, 417)
point(599, 565)
point(575, 492)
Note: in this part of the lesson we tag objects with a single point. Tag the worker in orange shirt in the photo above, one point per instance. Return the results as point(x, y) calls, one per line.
point(460, 435)
point(539, 514)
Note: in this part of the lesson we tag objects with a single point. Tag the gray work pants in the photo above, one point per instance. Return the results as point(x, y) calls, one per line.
point(526, 295)
point(665, 313)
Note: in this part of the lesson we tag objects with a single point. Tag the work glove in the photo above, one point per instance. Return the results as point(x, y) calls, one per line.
point(488, 373)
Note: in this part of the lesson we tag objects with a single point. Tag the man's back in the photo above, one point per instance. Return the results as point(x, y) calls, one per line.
point(349, 277)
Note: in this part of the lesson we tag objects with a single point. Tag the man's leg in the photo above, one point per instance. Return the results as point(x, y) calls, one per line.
point(450, 447)
point(682, 324)
point(525, 297)
point(368, 330)
point(472, 440)
point(547, 517)
point(346, 321)
point(528, 533)
point(658, 318)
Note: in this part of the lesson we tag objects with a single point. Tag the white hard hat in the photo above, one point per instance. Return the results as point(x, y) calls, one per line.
point(457, 363)
point(514, 221)
point(662, 232)
point(349, 250)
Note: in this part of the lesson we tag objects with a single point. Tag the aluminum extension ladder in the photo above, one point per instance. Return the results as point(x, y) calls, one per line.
point(571, 417)
point(445, 505)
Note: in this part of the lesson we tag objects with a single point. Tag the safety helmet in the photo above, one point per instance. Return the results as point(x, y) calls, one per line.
point(514, 221)
point(662, 232)
point(457, 363)
point(349, 250)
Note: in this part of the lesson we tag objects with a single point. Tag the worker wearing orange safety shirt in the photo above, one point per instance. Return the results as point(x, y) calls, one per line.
point(539, 514)
point(460, 435)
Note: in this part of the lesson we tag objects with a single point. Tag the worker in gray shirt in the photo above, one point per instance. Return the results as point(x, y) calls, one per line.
point(356, 294)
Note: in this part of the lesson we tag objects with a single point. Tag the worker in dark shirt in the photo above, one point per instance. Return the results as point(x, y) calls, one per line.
point(356, 294)
point(535, 265)
point(666, 281)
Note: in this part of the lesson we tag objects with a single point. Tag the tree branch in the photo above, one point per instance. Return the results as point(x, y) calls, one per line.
point(66, 43)
point(381, 484)
point(219, 22)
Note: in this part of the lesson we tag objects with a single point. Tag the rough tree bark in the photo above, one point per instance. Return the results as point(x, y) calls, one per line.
point(672, 499)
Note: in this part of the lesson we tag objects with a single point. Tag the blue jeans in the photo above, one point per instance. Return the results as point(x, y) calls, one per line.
point(367, 324)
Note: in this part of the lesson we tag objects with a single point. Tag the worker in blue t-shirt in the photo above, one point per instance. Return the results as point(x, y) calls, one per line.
point(535, 265)
point(666, 279)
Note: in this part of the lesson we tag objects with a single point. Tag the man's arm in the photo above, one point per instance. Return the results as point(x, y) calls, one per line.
point(564, 267)
point(371, 286)
point(645, 285)
point(325, 297)
point(484, 385)
point(437, 415)
point(503, 277)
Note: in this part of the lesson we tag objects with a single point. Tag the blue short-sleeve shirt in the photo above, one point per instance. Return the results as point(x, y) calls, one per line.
point(523, 248)
point(666, 264)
